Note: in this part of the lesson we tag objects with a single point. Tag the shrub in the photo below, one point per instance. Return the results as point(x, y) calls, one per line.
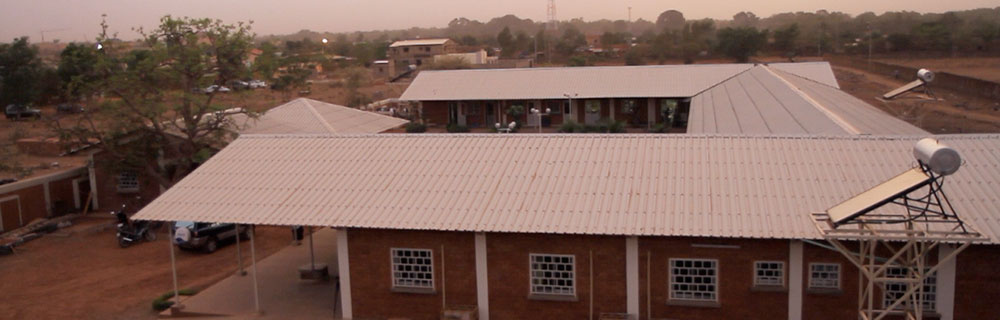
point(416, 127)
point(163, 301)
point(571, 126)
point(658, 128)
point(616, 127)
point(457, 128)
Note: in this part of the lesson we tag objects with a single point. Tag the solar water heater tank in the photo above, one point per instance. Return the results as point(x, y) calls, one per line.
point(925, 75)
point(940, 158)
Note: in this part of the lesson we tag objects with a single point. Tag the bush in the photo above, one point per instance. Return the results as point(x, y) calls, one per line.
point(658, 128)
point(457, 128)
point(416, 127)
point(570, 126)
point(616, 127)
point(163, 301)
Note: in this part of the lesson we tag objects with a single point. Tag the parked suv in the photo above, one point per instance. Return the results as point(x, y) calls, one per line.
point(205, 236)
point(18, 111)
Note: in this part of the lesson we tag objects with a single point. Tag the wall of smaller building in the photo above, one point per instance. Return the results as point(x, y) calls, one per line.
point(509, 276)
point(977, 283)
point(24, 201)
point(372, 293)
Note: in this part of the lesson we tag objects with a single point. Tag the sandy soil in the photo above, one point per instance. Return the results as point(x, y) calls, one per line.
point(85, 275)
point(945, 112)
point(982, 68)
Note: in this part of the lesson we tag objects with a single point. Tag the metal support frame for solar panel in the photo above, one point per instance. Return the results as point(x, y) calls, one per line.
point(874, 239)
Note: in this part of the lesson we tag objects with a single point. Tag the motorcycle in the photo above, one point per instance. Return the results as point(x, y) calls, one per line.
point(132, 231)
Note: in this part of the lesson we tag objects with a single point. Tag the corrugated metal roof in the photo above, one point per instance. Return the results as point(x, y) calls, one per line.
point(768, 101)
point(819, 71)
point(860, 115)
point(553, 83)
point(419, 42)
point(757, 102)
point(307, 116)
point(662, 185)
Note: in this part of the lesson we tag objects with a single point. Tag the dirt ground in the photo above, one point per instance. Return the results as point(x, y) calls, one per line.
point(80, 273)
point(943, 112)
point(986, 68)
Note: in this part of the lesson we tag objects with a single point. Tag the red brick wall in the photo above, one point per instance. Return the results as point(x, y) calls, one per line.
point(736, 297)
point(435, 112)
point(977, 283)
point(824, 304)
point(61, 195)
point(371, 278)
point(32, 207)
point(509, 275)
point(109, 198)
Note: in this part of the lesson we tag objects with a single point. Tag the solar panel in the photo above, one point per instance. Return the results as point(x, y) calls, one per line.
point(904, 89)
point(877, 196)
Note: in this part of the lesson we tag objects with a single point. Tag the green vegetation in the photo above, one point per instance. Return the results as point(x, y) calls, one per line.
point(163, 301)
point(415, 127)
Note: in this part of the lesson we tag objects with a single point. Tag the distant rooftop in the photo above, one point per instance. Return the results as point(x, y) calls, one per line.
point(419, 42)
point(308, 116)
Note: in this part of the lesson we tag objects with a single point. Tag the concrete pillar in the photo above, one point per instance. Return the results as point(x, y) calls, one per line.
point(93, 184)
point(632, 276)
point(650, 113)
point(611, 109)
point(795, 269)
point(344, 274)
point(482, 281)
point(48, 199)
point(946, 283)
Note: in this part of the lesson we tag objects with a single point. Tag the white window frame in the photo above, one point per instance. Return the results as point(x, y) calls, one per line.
point(780, 274)
point(812, 278)
point(714, 283)
point(397, 282)
point(929, 305)
point(127, 187)
point(532, 272)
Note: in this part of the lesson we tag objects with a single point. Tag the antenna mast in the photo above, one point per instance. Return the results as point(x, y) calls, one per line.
point(551, 15)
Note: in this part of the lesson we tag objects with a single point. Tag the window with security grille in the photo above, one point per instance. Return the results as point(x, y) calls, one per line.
point(412, 268)
point(128, 181)
point(769, 273)
point(895, 290)
point(553, 274)
point(824, 275)
point(694, 279)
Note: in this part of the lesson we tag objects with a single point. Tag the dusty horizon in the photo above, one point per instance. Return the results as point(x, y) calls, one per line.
point(70, 20)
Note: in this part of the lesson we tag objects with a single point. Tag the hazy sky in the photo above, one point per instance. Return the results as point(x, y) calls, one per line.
point(78, 19)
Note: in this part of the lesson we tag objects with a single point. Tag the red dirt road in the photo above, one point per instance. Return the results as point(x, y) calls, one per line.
point(87, 276)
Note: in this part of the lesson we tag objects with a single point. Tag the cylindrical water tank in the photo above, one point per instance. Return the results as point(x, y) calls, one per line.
point(941, 159)
point(925, 75)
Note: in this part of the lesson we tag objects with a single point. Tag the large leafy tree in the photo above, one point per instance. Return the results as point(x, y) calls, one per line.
point(21, 73)
point(741, 43)
point(154, 118)
point(76, 68)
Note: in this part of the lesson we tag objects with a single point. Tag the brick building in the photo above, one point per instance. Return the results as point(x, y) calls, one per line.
point(44, 196)
point(778, 98)
point(406, 53)
point(590, 226)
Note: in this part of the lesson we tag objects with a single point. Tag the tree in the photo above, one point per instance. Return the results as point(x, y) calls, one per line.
point(507, 44)
point(267, 62)
point(670, 20)
point(634, 57)
point(21, 72)
point(355, 79)
point(571, 39)
point(784, 38)
point(76, 68)
point(741, 43)
point(154, 118)
point(745, 19)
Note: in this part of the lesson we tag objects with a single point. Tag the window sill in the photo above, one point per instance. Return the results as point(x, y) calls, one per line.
point(128, 190)
point(552, 297)
point(769, 289)
point(691, 303)
point(413, 290)
point(825, 291)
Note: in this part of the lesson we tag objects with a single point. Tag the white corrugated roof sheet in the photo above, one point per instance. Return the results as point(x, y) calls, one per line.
point(586, 82)
point(819, 71)
point(308, 116)
point(659, 185)
point(766, 100)
point(419, 42)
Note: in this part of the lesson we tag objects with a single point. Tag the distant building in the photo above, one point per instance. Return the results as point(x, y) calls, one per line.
point(472, 58)
point(406, 53)
point(380, 69)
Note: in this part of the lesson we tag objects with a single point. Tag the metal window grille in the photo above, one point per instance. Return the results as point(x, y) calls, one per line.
point(128, 181)
point(769, 273)
point(412, 268)
point(553, 274)
point(895, 290)
point(694, 279)
point(824, 275)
